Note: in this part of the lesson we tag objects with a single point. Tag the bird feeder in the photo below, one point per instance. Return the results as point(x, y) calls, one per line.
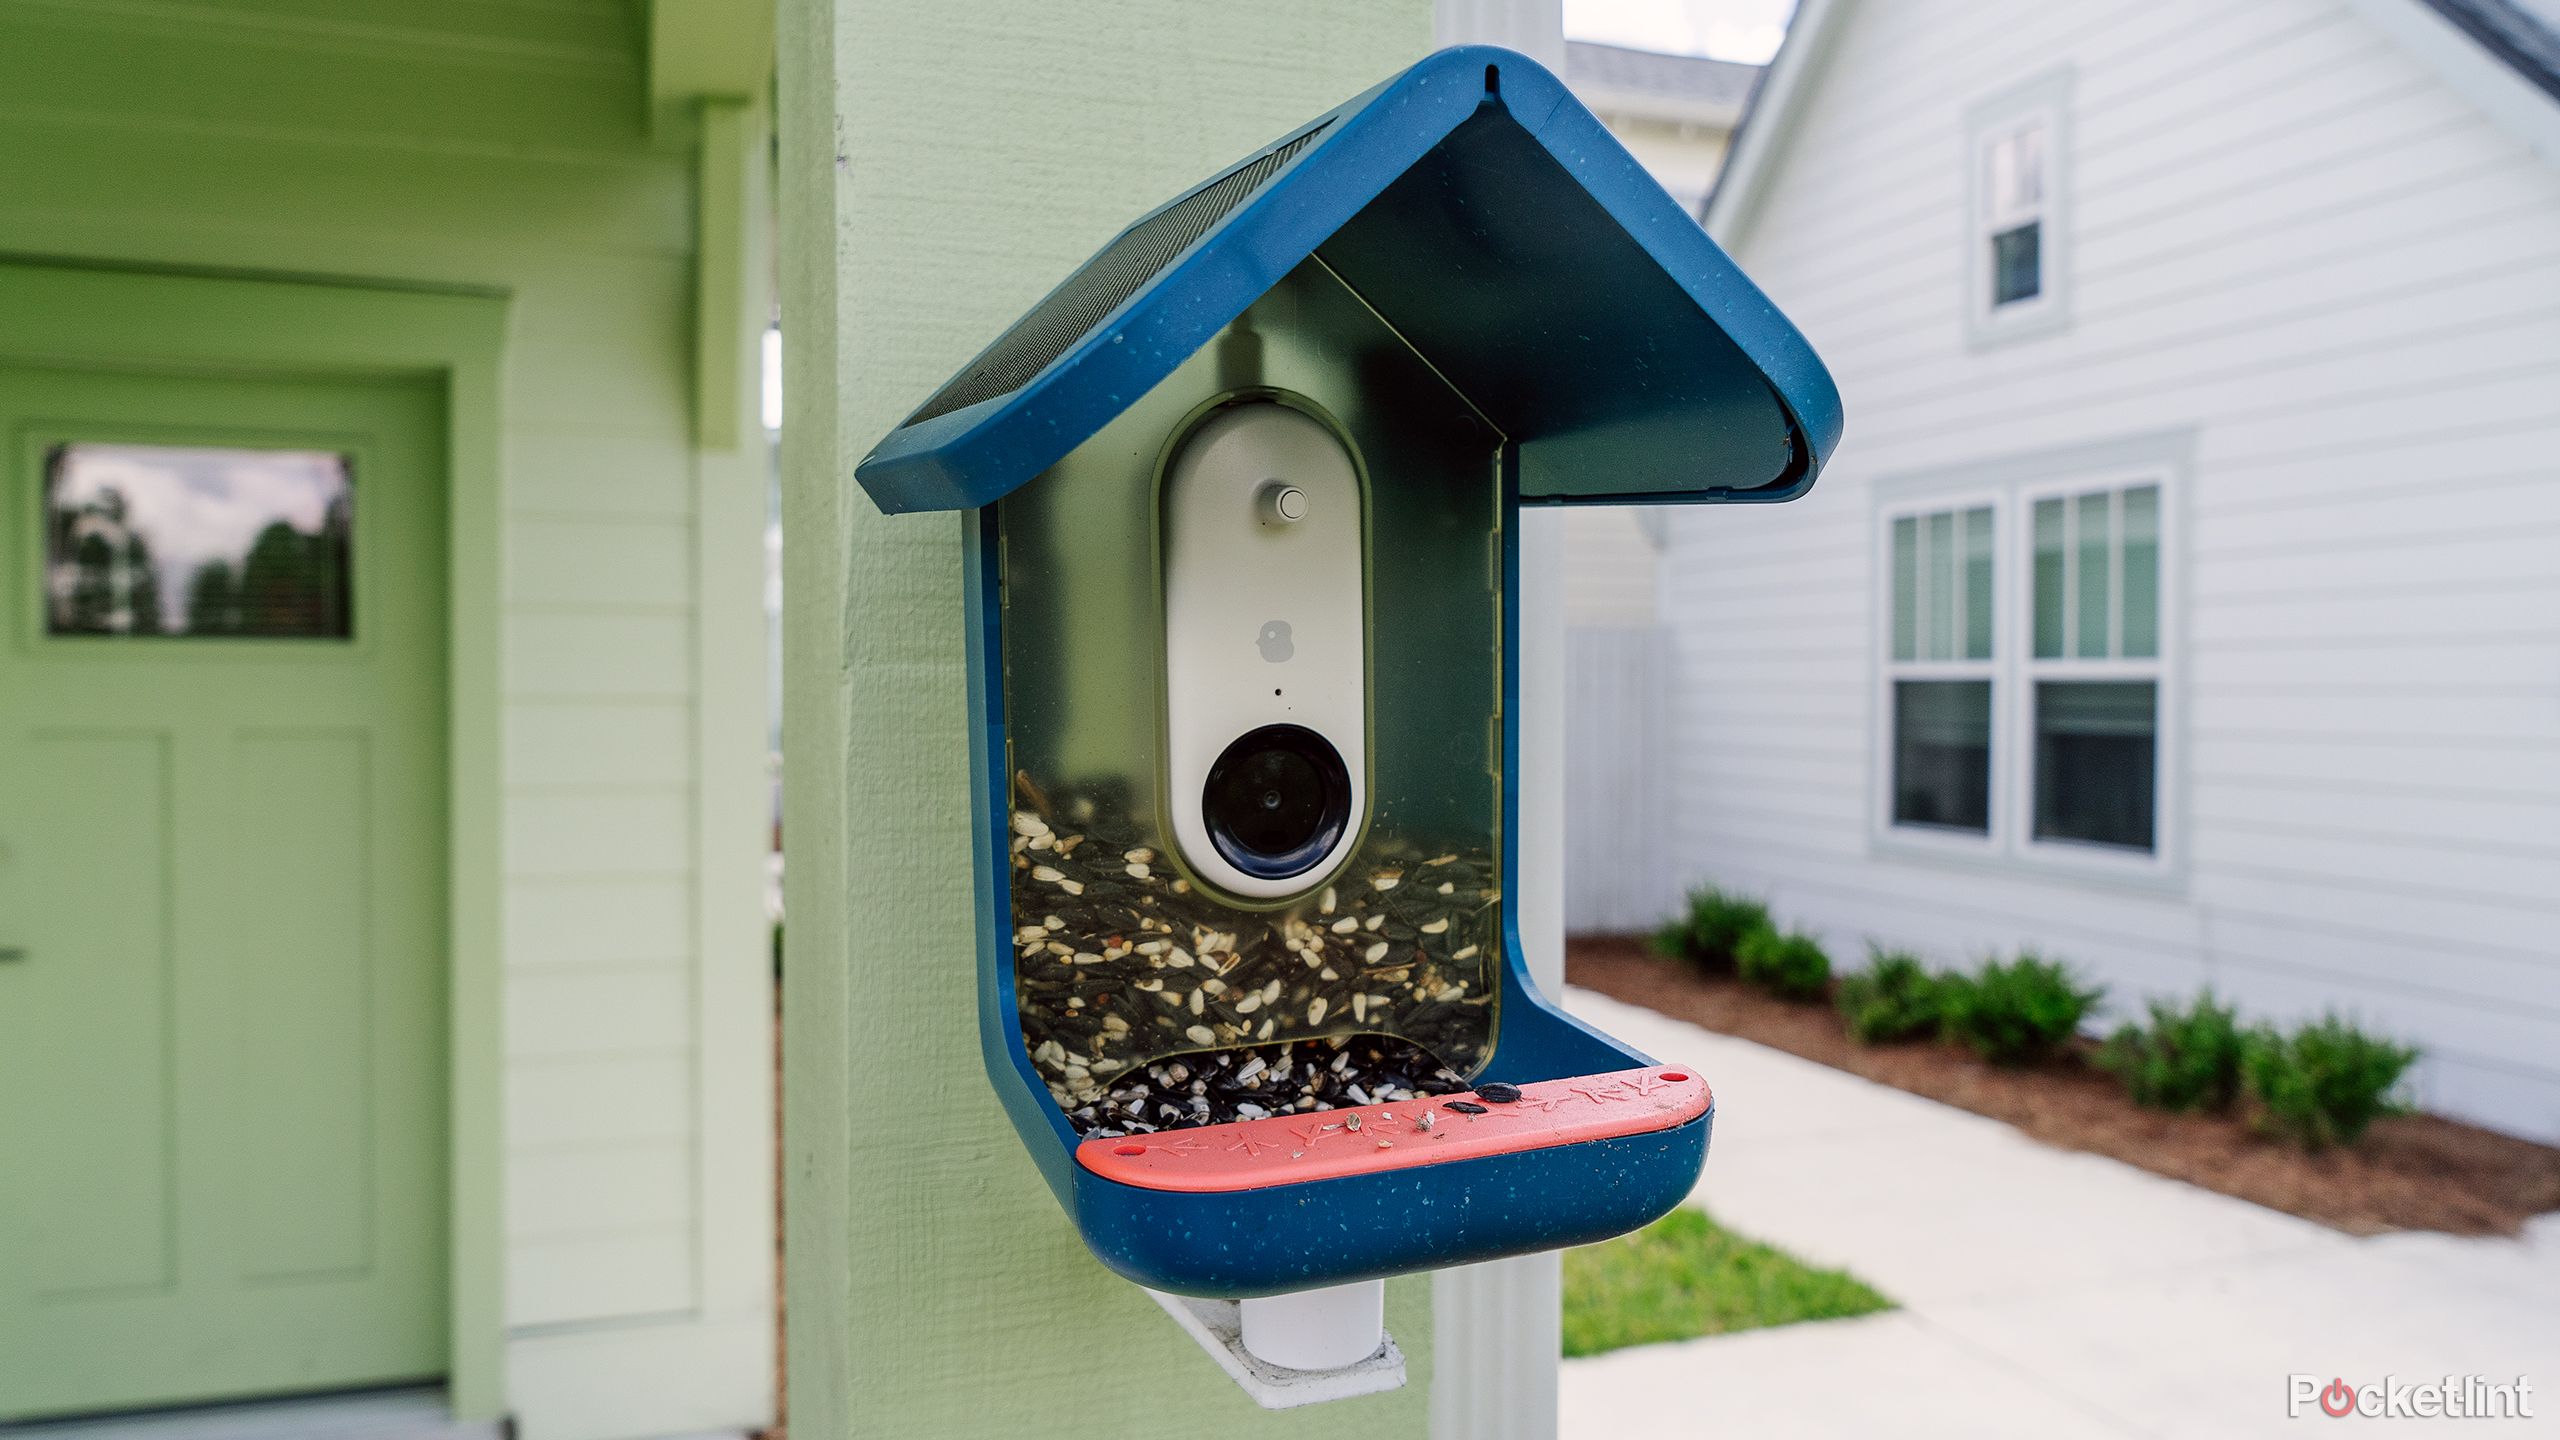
point(1244, 658)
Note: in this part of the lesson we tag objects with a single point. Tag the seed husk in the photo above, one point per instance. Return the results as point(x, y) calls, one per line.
point(1101, 928)
point(1216, 1086)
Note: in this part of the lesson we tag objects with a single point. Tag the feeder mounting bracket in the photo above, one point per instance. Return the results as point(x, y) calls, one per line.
point(1218, 1326)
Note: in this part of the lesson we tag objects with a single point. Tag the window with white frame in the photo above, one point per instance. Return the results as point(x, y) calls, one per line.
point(2093, 667)
point(2013, 220)
point(2017, 233)
point(1941, 669)
point(2022, 684)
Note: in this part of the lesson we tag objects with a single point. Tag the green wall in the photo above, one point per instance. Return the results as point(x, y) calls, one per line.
point(607, 1232)
point(942, 167)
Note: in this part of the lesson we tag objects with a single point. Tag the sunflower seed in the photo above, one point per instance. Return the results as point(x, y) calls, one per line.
point(1098, 928)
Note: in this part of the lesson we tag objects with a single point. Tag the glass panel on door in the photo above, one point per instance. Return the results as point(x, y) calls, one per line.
point(197, 540)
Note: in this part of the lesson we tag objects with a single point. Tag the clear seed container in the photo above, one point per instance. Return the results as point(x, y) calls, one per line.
point(1124, 955)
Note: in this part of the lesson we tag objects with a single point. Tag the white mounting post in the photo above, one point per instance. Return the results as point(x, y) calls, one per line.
point(1495, 1325)
point(1297, 1349)
point(1317, 1329)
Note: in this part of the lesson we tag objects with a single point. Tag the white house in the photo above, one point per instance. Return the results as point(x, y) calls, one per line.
point(1673, 112)
point(2185, 598)
point(1677, 114)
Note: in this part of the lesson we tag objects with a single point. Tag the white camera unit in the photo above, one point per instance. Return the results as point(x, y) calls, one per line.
point(1266, 650)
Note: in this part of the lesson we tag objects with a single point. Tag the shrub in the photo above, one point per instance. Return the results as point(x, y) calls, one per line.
point(2325, 1083)
point(2016, 1013)
point(1894, 998)
point(1710, 934)
point(2185, 1058)
point(1790, 966)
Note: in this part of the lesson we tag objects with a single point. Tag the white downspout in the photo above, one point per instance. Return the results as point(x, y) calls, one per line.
point(1497, 1327)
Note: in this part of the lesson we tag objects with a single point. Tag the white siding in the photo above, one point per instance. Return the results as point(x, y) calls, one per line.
point(1610, 567)
point(1616, 877)
point(2295, 242)
point(1684, 158)
point(1610, 563)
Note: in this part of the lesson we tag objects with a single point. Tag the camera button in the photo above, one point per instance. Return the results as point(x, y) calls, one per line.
point(1281, 503)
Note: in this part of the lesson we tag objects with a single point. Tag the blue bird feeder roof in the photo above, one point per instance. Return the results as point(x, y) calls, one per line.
point(1494, 223)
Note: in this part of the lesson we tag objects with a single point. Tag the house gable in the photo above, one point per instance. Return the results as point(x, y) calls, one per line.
point(2500, 57)
point(2321, 279)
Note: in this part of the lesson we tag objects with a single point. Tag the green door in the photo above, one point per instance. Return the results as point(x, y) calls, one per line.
point(222, 895)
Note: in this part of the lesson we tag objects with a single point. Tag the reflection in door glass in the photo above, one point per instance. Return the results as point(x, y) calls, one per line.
point(196, 540)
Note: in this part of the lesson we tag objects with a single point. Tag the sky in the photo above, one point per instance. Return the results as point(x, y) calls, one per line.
point(1745, 30)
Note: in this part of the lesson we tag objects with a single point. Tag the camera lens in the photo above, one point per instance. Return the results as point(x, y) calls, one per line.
point(1277, 801)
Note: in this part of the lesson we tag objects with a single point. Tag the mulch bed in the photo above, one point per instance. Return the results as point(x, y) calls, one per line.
point(2412, 1172)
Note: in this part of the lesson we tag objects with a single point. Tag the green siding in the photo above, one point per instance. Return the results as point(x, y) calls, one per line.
point(942, 167)
point(504, 147)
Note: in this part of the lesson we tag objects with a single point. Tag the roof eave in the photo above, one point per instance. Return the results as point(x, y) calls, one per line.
point(2473, 63)
point(1768, 120)
point(1618, 102)
point(2475, 66)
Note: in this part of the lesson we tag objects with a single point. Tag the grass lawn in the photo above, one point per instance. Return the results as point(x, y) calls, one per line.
point(1684, 1276)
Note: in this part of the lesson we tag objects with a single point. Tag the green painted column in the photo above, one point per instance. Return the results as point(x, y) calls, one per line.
point(942, 166)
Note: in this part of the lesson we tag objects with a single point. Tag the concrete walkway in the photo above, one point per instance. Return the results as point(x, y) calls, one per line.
point(2044, 1293)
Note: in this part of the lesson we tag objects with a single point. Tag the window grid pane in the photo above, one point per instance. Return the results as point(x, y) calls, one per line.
point(1977, 583)
point(1942, 586)
point(2141, 601)
point(2096, 762)
point(1942, 754)
point(2093, 581)
point(2051, 577)
point(2017, 172)
point(1906, 588)
point(2017, 263)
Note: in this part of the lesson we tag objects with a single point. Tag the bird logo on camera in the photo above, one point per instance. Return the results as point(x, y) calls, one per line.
point(1274, 641)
